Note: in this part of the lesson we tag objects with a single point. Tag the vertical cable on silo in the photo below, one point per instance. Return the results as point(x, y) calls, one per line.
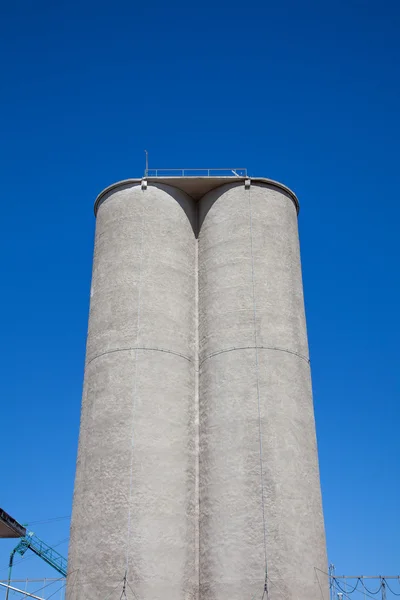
point(197, 425)
point(258, 390)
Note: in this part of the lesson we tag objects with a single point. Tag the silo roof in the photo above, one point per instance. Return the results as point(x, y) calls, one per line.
point(196, 187)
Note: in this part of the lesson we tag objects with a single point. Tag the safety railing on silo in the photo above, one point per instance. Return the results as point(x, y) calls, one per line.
point(195, 173)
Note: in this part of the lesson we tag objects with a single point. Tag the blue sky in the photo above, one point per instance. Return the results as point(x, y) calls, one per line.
point(303, 92)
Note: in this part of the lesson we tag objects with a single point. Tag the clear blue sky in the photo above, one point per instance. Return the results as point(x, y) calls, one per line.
point(303, 92)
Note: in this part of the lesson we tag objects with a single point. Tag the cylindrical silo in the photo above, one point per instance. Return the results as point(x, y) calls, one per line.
point(134, 500)
point(260, 501)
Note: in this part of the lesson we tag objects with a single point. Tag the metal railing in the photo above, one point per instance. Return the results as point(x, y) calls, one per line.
point(195, 173)
point(38, 589)
point(41, 549)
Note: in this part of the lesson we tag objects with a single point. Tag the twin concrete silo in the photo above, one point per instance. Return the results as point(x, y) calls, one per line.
point(197, 474)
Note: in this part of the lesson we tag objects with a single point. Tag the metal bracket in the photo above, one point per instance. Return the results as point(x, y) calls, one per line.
point(247, 183)
point(144, 184)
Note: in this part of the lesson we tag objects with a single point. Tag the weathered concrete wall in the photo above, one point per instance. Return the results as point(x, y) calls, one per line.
point(134, 499)
point(260, 501)
point(188, 474)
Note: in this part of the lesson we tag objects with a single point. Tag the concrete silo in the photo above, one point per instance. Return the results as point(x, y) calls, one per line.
point(260, 501)
point(197, 469)
point(134, 495)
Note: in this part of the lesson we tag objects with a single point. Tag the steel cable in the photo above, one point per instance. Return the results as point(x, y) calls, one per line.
point(346, 594)
point(130, 587)
point(390, 589)
point(371, 592)
point(25, 595)
point(30, 523)
point(335, 582)
point(113, 590)
point(348, 591)
point(57, 590)
point(343, 592)
point(265, 591)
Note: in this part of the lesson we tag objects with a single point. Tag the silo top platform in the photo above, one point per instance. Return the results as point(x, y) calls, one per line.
point(196, 186)
point(9, 527)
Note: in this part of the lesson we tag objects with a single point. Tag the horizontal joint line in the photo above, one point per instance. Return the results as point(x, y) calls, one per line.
point(258, 348)
point(139, 348)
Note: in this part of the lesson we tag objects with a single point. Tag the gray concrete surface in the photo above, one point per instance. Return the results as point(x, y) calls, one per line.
point(260, 502)
point(134, 501)
point(197, 464)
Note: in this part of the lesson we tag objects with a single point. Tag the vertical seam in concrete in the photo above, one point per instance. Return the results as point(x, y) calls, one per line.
point(197, 421)
point(258, 383)
point(134, 396)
